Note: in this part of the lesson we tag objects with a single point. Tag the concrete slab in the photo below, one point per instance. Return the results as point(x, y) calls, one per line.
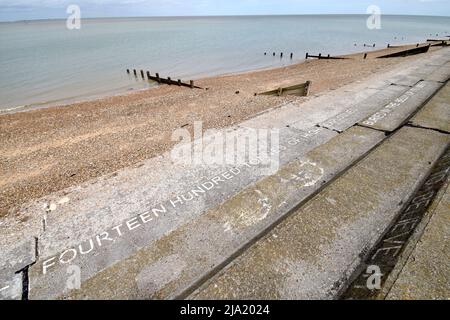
point(311, 254)
point(439, 58)
point(309, 113)
point(399, 239)
point(398, 111)
point(426, 275)
point(23, 254)
point(10, 285)
point(436, 113)
point(11, 262)
point(440, 75)
point(363, 109)
point(169, 267)
point(175, 194)
point(405, 80)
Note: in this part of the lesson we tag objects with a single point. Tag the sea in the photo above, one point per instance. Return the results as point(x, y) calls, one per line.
point(44, 63)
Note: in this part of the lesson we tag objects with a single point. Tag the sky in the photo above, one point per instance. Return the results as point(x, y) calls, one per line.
point(11, 10)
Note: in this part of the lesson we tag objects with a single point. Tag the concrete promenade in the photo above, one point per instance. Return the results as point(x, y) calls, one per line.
point(350, 163)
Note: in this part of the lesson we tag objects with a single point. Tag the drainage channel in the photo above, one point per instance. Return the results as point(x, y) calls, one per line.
point(370, 277)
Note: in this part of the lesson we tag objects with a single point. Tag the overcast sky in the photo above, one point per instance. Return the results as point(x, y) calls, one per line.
point(44, 9)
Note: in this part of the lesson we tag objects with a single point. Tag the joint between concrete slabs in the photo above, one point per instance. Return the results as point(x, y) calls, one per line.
point(397, 113)
point(229, 261)
point(357, 138)
point(204, 281)
point(413, 241)
point(410, 134)
point(412, 125)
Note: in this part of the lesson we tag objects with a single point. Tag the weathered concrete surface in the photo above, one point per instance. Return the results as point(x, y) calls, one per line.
point(442, 74)
point(24, 254)
point(173, 264)
point(426, 275)
point(10, 285)
point(363, 109)
point(311, 253)
point(74, 217)
point(394, 114)
point(395, 246)
point(93, 241)
point(436, 113)
point(313, 111)
point(439, 58)
point(11, 263)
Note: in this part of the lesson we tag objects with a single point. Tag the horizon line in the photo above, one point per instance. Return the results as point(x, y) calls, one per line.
point(230, 15)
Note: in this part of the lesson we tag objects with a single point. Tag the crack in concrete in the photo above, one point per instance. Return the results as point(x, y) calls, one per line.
point(412, 125)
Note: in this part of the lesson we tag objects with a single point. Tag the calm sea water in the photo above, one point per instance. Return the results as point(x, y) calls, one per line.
point(42, 62)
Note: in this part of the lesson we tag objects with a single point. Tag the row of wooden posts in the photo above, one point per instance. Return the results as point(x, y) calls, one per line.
point(167, 80)
point(281, 54)
point(320, 56)
point(389, 46)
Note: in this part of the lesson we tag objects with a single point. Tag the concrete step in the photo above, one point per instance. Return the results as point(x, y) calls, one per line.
point(383, 263)
point(358, 111)
point(425, 275)
point(436, 114)
point(171, 267)
point(397, 112)
point(402, 236)
point(312, 253)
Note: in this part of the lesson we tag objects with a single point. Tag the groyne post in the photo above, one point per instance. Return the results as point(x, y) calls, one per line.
point(307, 87)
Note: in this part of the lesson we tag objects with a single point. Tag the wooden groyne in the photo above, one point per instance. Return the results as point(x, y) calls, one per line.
point(408, 52)
point(297, 90)
point(320, 56)
point(441, 43)
point(390, 46)
point(167, 80)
